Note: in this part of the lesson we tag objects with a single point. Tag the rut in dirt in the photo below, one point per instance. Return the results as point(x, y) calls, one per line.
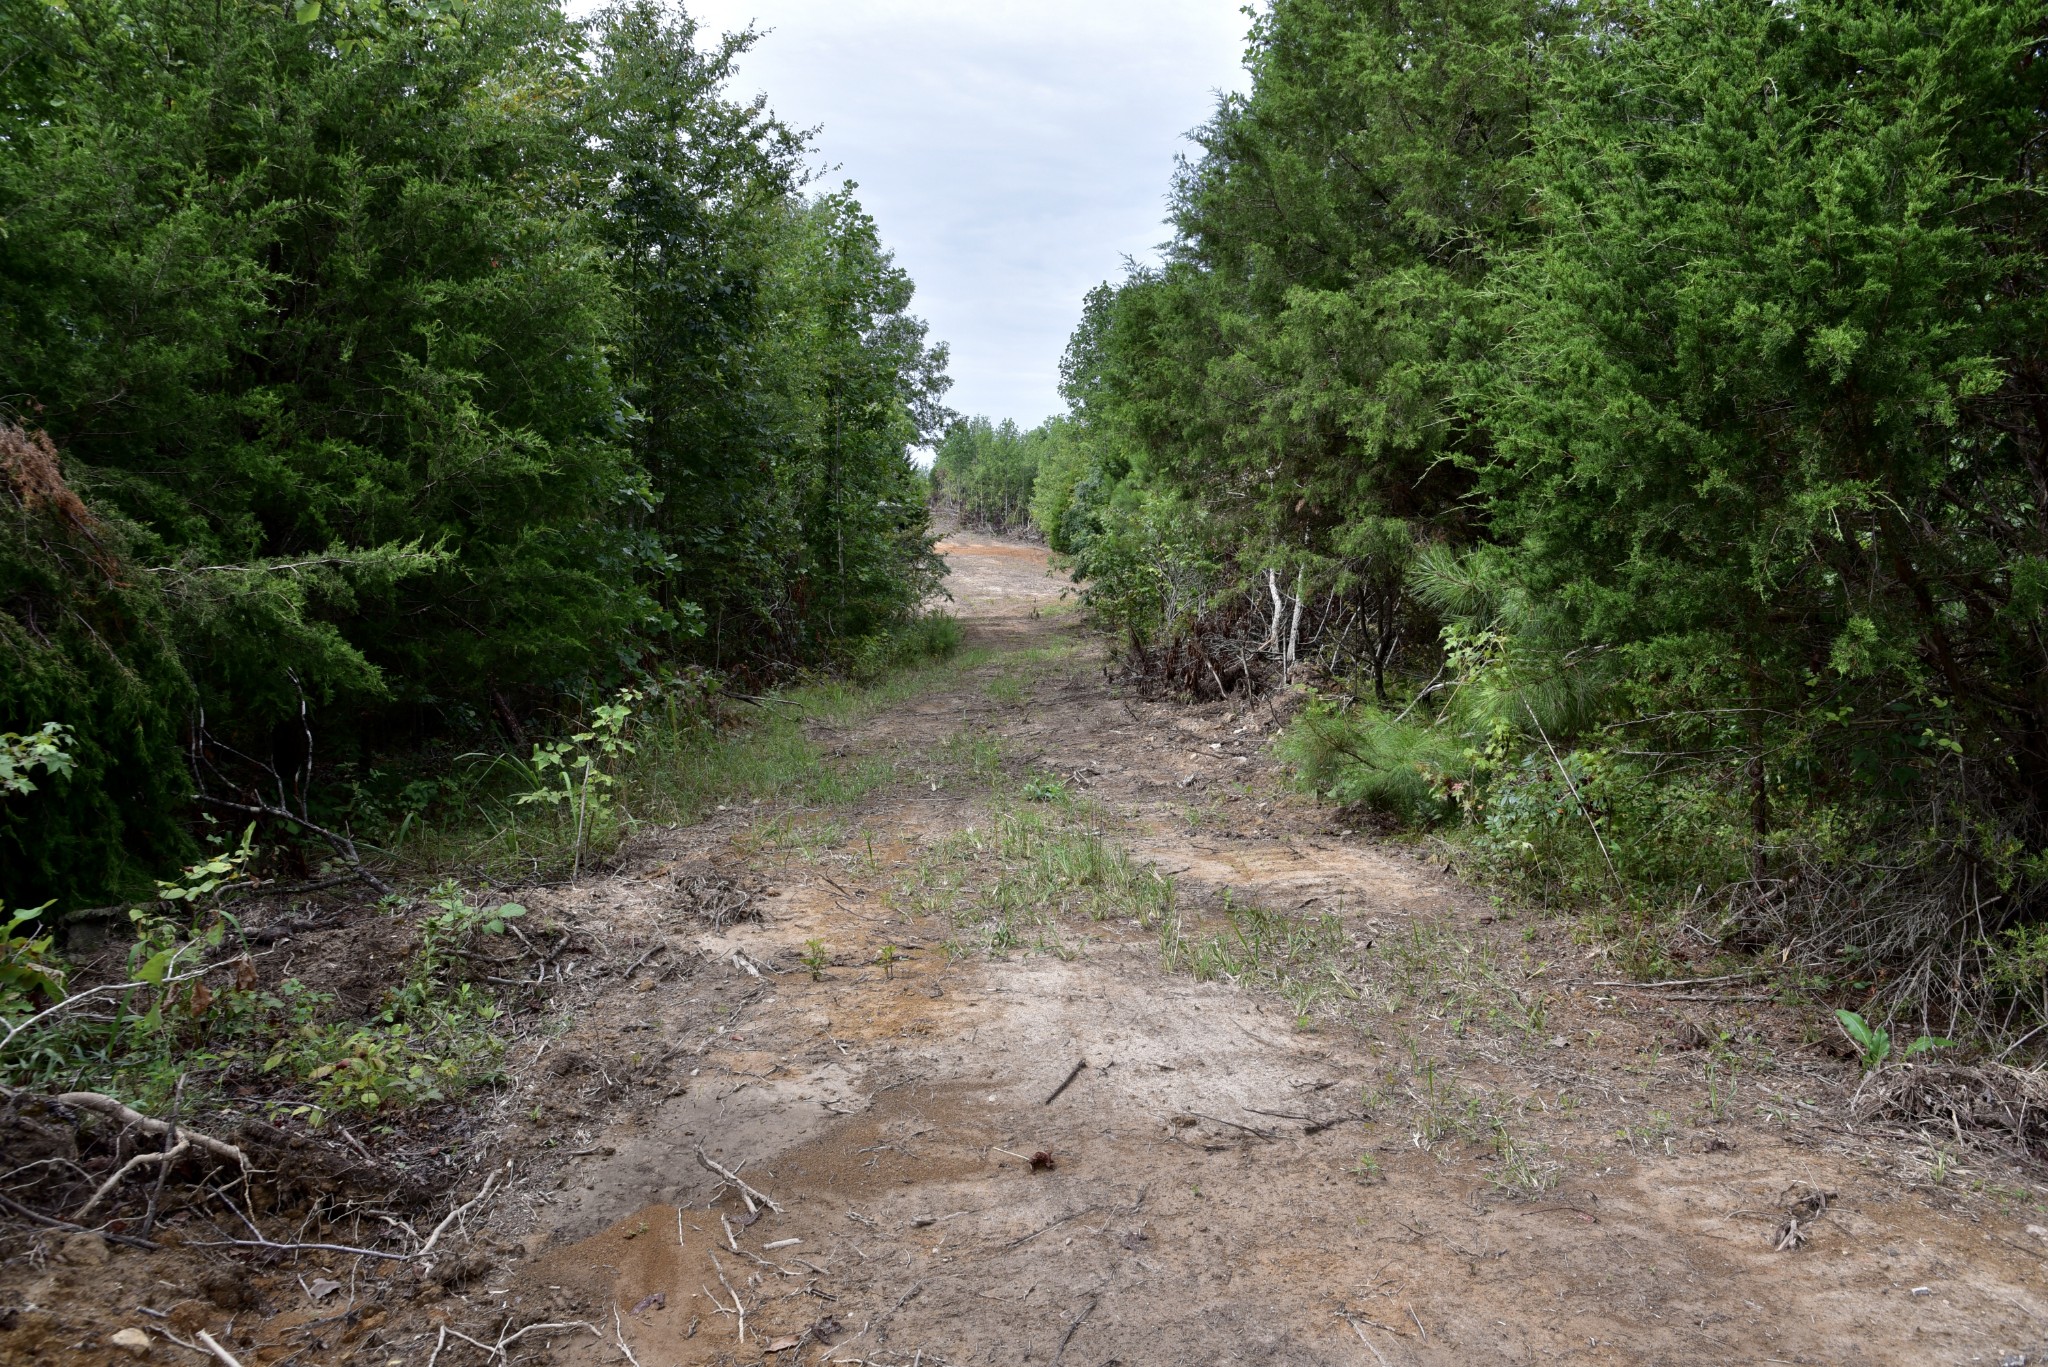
point(1087, 1040)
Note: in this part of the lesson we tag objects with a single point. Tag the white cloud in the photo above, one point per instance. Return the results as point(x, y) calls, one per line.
point(1012, 153)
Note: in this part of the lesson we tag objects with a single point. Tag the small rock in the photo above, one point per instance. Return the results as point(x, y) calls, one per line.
point(133, 1342)
point(644, 985)
point(1923, 1290)
point(83, 1249)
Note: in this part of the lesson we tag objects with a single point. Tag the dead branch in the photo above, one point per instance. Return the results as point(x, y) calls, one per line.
point(753, 1193)
point(1072, 1073)
point(14, 1207)
point(167, 1157)
point(227, 1358)
point(105, 1105)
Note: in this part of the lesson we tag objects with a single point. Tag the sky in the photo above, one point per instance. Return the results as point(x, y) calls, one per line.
point(1012, 152)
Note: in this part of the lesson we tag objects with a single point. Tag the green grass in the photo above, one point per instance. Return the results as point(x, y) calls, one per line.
point(1009, 883)
point(1305, 960)
point(681, 769)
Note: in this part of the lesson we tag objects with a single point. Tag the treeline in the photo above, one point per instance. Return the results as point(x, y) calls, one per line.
point(382, 372)
point(1635, 415)
point(985, 473)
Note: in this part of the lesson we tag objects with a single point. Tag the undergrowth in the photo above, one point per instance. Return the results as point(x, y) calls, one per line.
point(688, 747)
point(190, 1018)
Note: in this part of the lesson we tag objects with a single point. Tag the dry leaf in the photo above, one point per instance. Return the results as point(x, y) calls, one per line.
point(323, 1287)
point(783, 1345)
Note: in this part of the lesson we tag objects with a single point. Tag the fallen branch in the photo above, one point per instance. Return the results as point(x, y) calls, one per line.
point(752, 1193)
point(339, 843)
point(114, 1110)
point(14, 1207)
point(167, 1157)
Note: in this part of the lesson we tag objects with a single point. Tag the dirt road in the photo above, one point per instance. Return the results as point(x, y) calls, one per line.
point(1319, 1104)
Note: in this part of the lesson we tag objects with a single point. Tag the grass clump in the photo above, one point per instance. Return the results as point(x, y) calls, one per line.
point(1306, 961)
point(1003, 884)
point(668, 753)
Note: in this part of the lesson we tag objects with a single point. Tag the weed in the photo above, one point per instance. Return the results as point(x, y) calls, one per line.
point(1007, 689)
point(1875, 1043)
point(1303, 959)
point(887, 959)
point(815, 959)
point(1514, 1173)
point(1029, 867)
point(1045, 788)
point(1720, 1084)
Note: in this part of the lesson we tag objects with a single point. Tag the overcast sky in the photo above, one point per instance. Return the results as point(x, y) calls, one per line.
point(1013, 152)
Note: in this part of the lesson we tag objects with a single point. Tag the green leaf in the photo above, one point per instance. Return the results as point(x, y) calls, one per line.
point(307, 13)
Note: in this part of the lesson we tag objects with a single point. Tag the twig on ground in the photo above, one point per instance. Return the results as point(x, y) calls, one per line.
point(1312, 1124)
point(1019, 1243)
point(301, 1248)
point(753, 1193)
point(738, 1307)
point(1359, 1330)
point(227, 1358)
point(1073, 1328)
point(459, 1211)
point(619, 1335)
point(507, 1340)
point(1072, 1073)
point(163, 1172)
point(14, 1207)
point(166, 1157)
point(1248, 1129)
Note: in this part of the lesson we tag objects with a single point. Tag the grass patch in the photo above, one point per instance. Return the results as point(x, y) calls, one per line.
point(1306, 961)
point(673, 766)
point(1007, 884)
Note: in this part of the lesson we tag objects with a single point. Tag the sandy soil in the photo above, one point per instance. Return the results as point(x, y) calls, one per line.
point(1483, 1151)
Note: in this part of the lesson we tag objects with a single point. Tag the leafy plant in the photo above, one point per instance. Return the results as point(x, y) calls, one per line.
point(213, 874)
point(29, 972)
point(583, 767)
point(1874, 1043)
point(1044, 788)
point(815, 959)
point(42, 749)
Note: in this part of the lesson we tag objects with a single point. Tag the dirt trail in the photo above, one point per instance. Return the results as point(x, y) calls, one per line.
point(1470, 1148)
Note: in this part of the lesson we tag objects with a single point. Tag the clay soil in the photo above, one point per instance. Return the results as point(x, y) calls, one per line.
point(1477, 1145)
